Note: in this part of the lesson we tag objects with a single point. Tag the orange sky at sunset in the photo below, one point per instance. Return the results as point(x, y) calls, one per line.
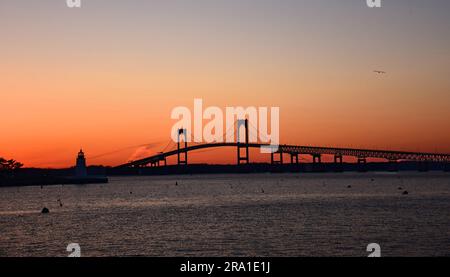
point(106, 78)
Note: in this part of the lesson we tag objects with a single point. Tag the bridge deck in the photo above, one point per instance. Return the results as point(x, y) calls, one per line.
point(307, 150)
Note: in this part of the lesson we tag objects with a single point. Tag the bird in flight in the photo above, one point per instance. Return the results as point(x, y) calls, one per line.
point(379, 72)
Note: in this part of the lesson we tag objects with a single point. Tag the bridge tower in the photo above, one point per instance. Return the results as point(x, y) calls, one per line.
point(240, 145)
point(182, 159)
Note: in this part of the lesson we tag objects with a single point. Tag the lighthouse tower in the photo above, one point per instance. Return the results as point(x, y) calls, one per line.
point(80, 169)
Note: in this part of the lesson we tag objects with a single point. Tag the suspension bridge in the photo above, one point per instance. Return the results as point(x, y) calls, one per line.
point(182, 149)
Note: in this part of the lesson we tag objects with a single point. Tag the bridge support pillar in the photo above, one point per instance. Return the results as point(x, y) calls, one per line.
point(317, 158)
point(242, 146)
point(294, 157)
point(182, 153)
point(362, 160)
point(338, 159)
point(338, 163)
point(272, 158)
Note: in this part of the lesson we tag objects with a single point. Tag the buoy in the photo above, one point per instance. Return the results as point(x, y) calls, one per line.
point(405, 192)
point(45, 211)
point(400, 188)
point(262, 190)
point(176, 183)
point(349, 187)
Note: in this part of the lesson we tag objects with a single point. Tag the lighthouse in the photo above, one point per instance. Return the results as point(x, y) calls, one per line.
point(80, 168)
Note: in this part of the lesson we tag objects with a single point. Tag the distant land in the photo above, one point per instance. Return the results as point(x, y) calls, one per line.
point(43, 177)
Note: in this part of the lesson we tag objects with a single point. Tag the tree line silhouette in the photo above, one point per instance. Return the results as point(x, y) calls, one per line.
point(7, 167)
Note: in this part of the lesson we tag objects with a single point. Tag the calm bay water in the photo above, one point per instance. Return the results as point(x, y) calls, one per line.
point(233, 215)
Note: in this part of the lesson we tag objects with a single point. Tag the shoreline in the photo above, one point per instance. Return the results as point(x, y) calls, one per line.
point(97, 174)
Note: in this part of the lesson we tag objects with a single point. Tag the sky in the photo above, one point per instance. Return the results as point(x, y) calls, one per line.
point(106, 76)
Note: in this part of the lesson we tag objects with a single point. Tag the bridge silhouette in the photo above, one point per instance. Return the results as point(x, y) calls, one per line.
point(277, 157)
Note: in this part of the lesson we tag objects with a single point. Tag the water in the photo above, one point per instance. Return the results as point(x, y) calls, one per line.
point(233, 215)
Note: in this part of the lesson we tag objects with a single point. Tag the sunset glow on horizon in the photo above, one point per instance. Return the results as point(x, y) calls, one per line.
point(105, 77)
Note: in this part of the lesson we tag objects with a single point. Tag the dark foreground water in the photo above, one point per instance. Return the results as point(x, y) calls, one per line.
point(233, 215)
